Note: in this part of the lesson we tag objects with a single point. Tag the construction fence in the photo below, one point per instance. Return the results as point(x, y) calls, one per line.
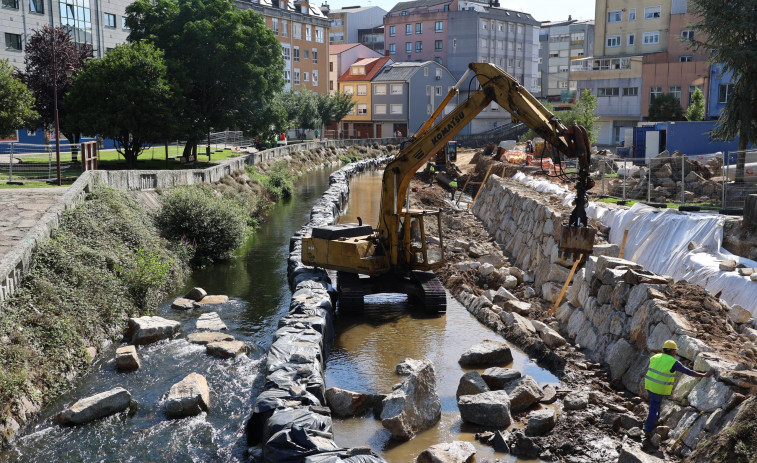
point(702, 181)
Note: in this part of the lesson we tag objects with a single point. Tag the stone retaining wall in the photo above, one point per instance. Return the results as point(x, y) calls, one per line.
point(295, 384)
point(15, 264)
point(616, 312)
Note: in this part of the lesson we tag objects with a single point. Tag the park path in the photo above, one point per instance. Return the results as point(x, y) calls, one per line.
point(20, 209)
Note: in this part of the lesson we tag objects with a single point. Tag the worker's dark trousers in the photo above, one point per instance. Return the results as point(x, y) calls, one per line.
point(655, 401)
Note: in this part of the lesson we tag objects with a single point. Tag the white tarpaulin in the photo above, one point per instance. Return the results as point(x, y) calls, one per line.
point(659, 240)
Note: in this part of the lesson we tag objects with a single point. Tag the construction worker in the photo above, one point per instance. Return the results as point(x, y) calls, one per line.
point(659, 381)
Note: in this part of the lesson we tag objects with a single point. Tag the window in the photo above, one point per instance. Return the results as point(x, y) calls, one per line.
point(687, 34)
point(438, 74)
point(9, 4)
point(614, 16)
point(315, 56)
point(613, 41)
point(437, 45)
point(685, 58)
point(484, 43)
point(632, 14)
point(392, 31)
point(348, 89)
point(288, 76)
point(608, 91)
point(275, 26)
point(305, 77)
point(554, 54)
point(357, 70)
point(675, 90)
point(500, 44)
point(408, 29)
point(446, 7)
point(438, 26)
point(362, 109)
point(308, 33)
point(12, 41)
point(631, 40)
point(362, 89)
point(296, 76)
point(692, 89)
point(284, 28)
point(654, 92)
point(331, 85)
point(485, 24)
point(562, 84)
point(395, 89)
point(297, 30)
point(123, 23)
point(408, 47)
point(306, 54)
point(631, 91)
point(438, 90)
point(337, 22)
point(36, 6)
point(395, 109)
point(724, 91)
point(319, 34)
point(651, 12)
point(296, 54)
point(315, 78)
point(331, 66)
point(563, 68)
point(379, 109)
point(379, 89)
point(110, 20)
point(428, 90)
point(419, 28)
point(405, 13)
point(286, 53)
point(651, 38)
point(418, 46)
point(425, 71)
point(392, 48)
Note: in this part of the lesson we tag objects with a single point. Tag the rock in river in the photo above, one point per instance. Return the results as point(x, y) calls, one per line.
point(181, 303)
point(207, 337)
point(448, 452)
point(214, 300)
point(225, 349)
point(127, 359)
point(211, 321)
point(486, 409)
point(144, 330)
point(497, 378)
point(415, 405)
point(470, 384)
point(343, 402)
point(196, 294)
point(486, 353)
point(188, 397)
point(97, 406)
point(541, 421)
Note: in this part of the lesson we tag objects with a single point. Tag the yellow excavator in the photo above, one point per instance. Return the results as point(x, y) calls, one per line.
point(398, 256)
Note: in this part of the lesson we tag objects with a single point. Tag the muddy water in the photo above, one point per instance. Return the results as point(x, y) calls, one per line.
point(367, 349)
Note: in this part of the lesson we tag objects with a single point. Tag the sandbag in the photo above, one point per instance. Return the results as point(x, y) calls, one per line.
point(295, 444)
point(303, 417)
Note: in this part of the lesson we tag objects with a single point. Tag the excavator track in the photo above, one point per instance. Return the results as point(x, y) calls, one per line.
point(433, 296)
point(350, 292)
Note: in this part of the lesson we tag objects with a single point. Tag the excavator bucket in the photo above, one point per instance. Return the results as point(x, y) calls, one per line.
point(575, 241)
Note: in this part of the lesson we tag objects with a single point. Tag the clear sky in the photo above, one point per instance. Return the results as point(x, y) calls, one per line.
point(541, 10)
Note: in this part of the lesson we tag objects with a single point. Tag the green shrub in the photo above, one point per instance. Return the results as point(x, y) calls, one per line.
point(145, 276)
point(214, 224)
point(277, 181)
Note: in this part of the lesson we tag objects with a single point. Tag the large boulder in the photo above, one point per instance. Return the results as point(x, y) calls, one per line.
point(97, 406)
point(225, 349)
point(523, 393)
point(344, 403)
point(127, 359)
point(486, 353)
point(541, 421)
point(470, 384)
point(182, 303)
point(497, 377)
point(636, 455)
point(415, 405)
point(215, 299)
point(448, 452)
point(147, 329)
point(196, 294)
point(188, 397)
point(486, 409)
point(577, 400)
point(210, 321)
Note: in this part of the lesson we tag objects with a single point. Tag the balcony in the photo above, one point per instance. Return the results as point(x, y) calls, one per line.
point(600, 64)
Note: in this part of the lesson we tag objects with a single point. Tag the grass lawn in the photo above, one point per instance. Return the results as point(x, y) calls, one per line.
point(30, 184)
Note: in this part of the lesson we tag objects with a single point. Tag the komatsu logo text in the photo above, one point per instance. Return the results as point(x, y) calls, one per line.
point(444, 131)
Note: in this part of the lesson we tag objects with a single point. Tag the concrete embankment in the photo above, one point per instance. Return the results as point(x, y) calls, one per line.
point(290, 418)
point(619, 314)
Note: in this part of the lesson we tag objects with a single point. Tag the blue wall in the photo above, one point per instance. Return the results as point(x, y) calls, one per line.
point(38, 138)
point(694, 138)
point(717, 78)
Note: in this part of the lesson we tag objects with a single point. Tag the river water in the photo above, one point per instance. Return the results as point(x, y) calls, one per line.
point(365, 354)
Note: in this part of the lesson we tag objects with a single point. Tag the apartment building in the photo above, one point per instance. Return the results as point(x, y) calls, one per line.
point(357, 82)
point(95, 22)
point(372, 38)
point(560, 43)
point(345, 22)
point(302, 30)
point(406, 94)
point(342, 56)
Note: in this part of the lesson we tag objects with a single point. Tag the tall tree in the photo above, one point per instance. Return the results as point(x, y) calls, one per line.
point(727, 29)
point(132, 79)
point(16, 102)
point(666, 107)
point(695, 111)
point(301, 108)
point(52, 58)
point(342, 105)
point(584, 114)
point(220, 60)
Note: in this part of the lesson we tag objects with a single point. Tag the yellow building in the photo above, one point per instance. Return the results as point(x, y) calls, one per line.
point(357, 82)
point(626, 27)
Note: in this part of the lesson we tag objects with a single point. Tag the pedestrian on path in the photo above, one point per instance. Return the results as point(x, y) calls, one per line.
point(659, 381)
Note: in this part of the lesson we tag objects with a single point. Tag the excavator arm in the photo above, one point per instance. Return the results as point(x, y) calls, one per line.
point(495, 85)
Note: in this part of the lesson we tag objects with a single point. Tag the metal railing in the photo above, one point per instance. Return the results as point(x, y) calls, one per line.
point(25, 161)
point(704, 181)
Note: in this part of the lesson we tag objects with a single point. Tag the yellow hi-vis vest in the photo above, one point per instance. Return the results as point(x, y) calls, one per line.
point(659, 379)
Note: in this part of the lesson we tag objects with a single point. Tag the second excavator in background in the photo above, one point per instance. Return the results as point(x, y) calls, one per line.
point(401, 252)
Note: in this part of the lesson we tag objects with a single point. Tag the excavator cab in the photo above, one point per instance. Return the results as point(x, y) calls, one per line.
point(422, 239)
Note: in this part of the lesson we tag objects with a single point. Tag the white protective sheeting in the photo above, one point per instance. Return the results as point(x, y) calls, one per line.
point(659, 240)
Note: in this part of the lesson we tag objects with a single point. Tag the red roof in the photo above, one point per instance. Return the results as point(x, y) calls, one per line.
point(372, 67)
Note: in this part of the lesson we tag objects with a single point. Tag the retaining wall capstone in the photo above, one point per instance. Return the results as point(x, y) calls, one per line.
point(15, 264)
point(617, 312)
point(295, 363)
